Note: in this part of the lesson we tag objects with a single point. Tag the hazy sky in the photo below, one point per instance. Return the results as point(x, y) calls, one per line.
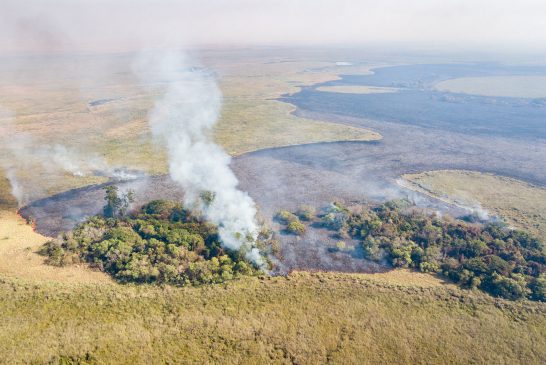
point(111, 25)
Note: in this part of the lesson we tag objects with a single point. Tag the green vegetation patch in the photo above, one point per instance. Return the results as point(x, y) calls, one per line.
point(160, 243)
point(503, 262)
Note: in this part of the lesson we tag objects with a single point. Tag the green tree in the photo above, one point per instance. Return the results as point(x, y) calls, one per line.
point(116, 205)
point(113, 202)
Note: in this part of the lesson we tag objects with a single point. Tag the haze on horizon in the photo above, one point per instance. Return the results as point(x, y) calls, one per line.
point(55, 26)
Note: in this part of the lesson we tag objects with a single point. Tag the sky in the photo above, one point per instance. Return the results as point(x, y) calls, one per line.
point(45, 26)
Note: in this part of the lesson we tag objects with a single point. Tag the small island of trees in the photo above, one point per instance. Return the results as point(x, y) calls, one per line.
point(161, 243)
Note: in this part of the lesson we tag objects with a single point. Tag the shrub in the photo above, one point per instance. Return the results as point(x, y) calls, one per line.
point(429, 267)
point(538, 288)
point(341, 246)
point(505, 287)
point(503, 262)
point(296, 227)
point(306, 213)
point(286, 217)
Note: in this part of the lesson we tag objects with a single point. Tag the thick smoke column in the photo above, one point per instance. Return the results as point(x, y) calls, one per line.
point(182, 119)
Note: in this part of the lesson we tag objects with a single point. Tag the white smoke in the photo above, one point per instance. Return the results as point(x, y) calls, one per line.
point(21, 152)
point(479, 212)
point(182, 119)
point(72, 161)
point(16, 188)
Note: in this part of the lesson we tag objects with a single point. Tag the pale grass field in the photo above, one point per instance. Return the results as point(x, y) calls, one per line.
point(520, 204)
point(271, 124)
point(18, 257)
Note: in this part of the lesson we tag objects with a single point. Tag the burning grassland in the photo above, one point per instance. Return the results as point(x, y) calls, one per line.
point(520, 204)
point(502, 261)
point(160, 243)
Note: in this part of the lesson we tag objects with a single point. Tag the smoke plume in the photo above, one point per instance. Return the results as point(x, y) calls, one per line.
point(182, 119)
point(21, 152)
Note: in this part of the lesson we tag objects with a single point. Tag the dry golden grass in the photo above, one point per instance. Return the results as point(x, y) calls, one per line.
point(407, 278)
point(520, 204)
point(7, 201)
point(302, 319)
point(505, 86)
point(271, 124)
point(18, 257)
point(252, 119)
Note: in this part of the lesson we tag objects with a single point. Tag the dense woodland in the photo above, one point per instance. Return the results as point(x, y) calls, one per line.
point(504, 262)
point(162, 242)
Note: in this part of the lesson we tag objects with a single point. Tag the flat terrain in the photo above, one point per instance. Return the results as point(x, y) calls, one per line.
point(58, 315)
point(505, 86)
point(97, 109)
point(520, 204)
point(63, 315)
point(301, 319)
point(18, 258)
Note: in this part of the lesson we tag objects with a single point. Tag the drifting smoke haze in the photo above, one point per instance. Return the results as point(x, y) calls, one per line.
point(114, 25)
point(184, 115)
point(22, 152)
point(182, 121)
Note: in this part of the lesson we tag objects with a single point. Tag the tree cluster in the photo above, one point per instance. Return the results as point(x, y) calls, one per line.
point(504, 262)
point(162, 242)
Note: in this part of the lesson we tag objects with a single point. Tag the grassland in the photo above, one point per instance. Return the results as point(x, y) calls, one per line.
point(271, 124)
point(7, 201)
point(75, 315)
point(18, 258)
point(520, 204)
point(301, 319)
point(56, 107)
point(63, 315)
point(505, 86)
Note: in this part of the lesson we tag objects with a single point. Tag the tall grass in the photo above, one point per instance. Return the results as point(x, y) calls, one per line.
point(301, 319)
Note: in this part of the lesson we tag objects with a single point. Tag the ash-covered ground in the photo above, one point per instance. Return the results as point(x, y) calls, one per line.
point(276, 179)
point(317, 174)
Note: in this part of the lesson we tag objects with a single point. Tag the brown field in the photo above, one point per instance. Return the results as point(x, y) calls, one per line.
point(518, 203)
